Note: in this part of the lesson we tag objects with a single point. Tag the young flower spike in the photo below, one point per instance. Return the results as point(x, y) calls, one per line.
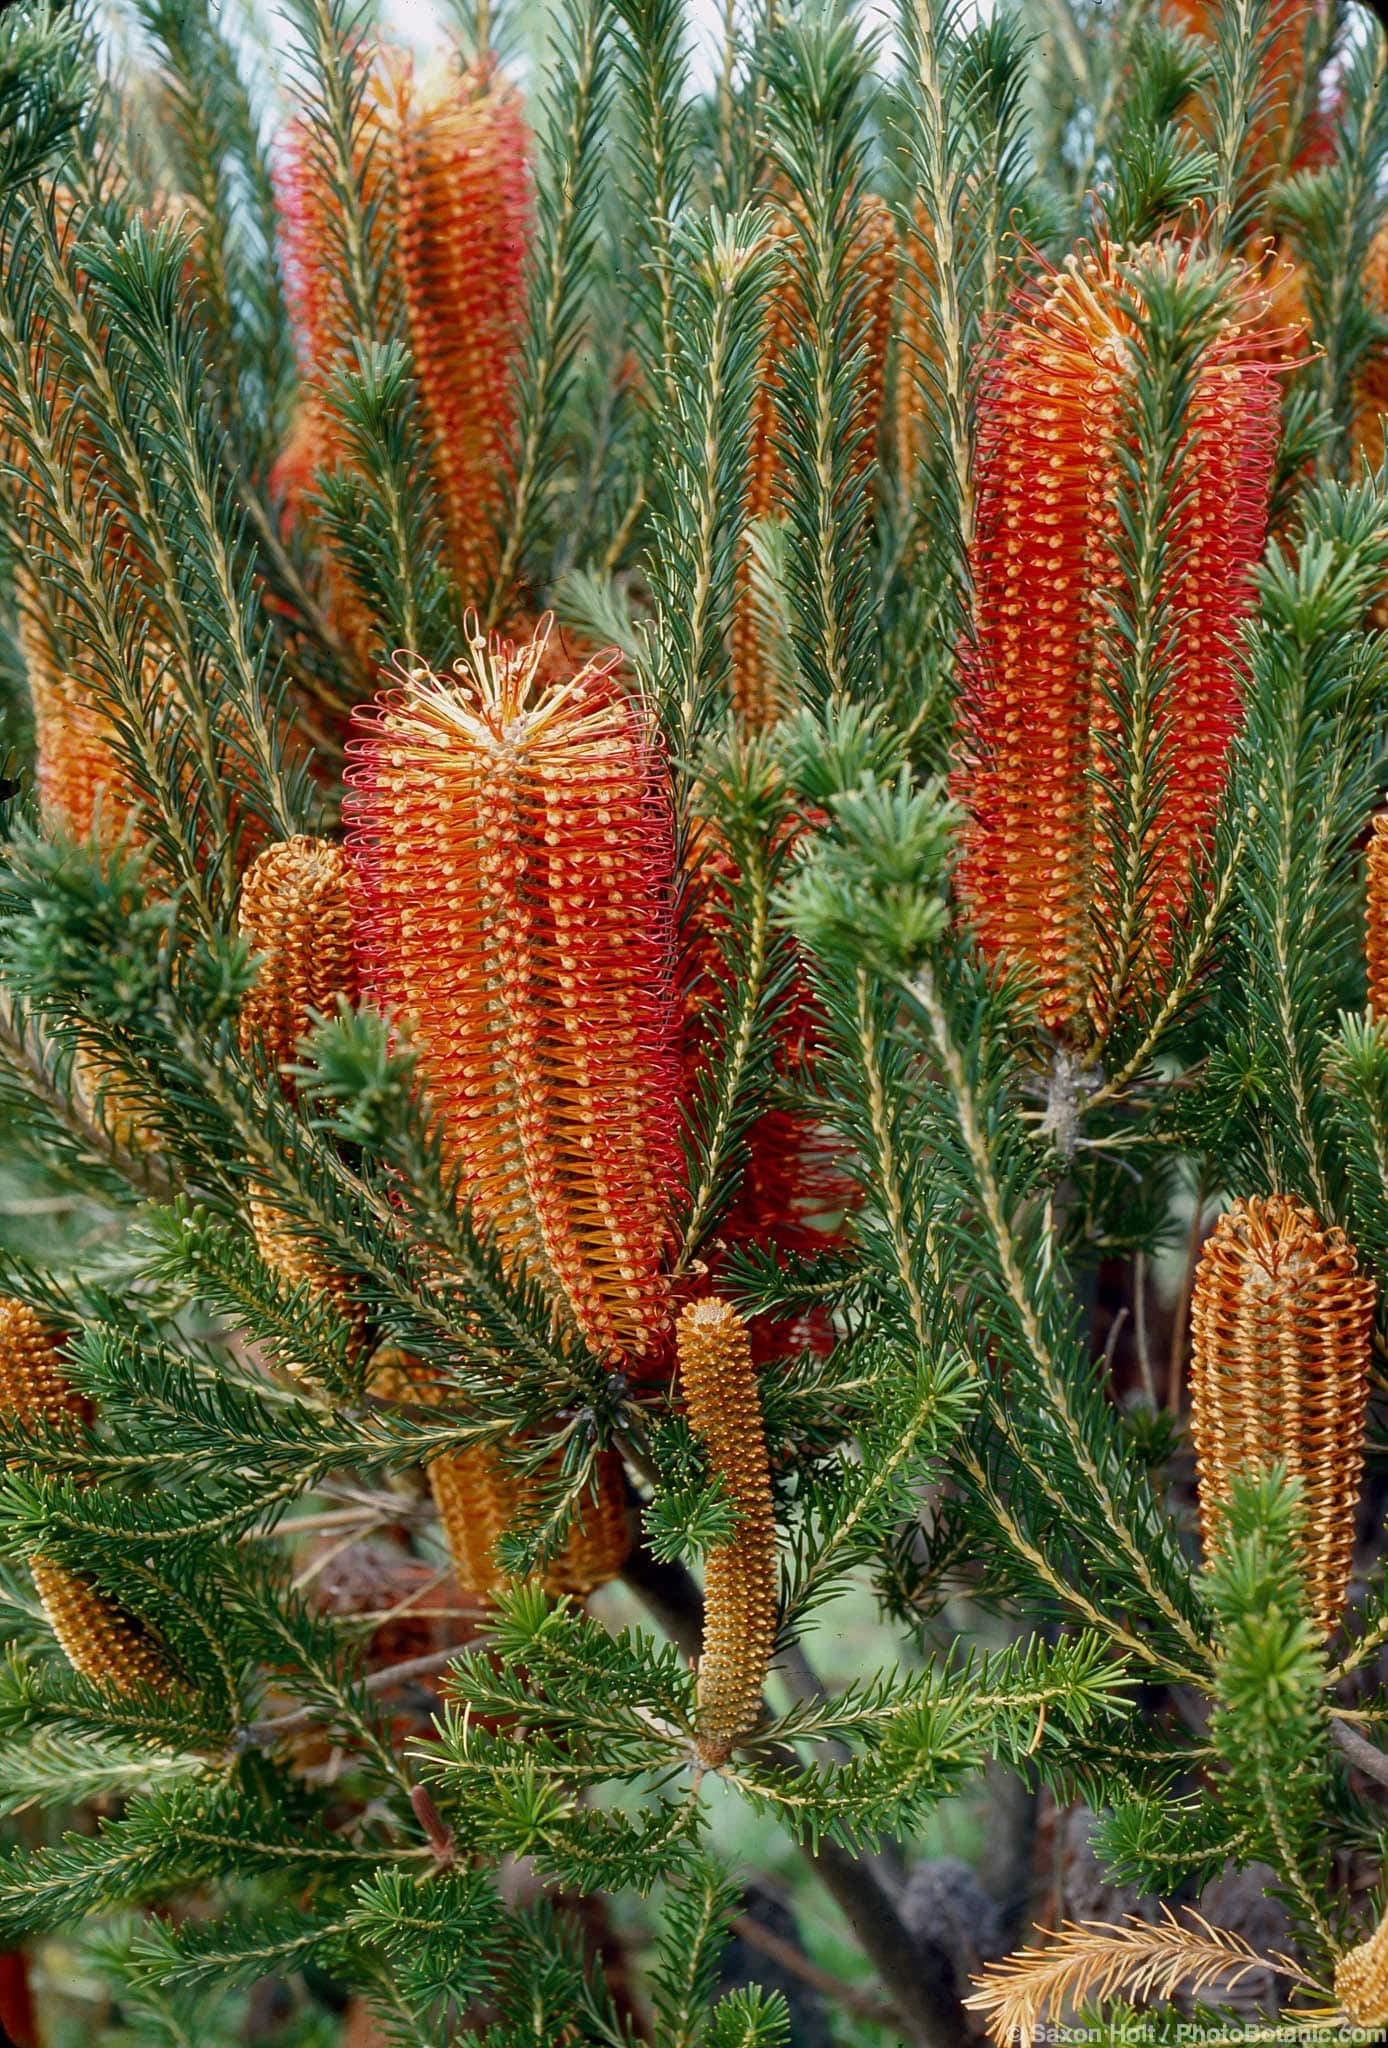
point(719, 1383)
point(757, 693)
point(1036, 714)
point(479, 1497)
point(514, 851)
point(1281, 1341)
point(1361, 1980)
point(296, 914)
point(1376, 917)
point(443, 160)
point(101, 1641)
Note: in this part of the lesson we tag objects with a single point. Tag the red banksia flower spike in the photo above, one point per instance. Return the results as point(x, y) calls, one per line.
point(514, 852)
point(1281, 1342)
point(445, 174)
point(719, 1383)
point(1034, 717)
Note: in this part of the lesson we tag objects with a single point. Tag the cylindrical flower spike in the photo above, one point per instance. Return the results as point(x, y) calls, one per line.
point(296, 914)
point(1376, 917)
point(479, 1497)
point(1282, 70)
point(1371, 376)
point(81, 782)
point(719, 1383)
point(1361, 1980)
point(100, 1640)
point(757, 695)
point(1281, 1341)
point(514, 849)
point(444, 161)
point(1035, 714)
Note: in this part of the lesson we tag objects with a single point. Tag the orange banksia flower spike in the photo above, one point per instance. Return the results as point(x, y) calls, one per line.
point(296, 914)
point(479, 1497)
point(514, 850)
point(1281, 1341)
point(1376, 917)
point(719, 1382)
point(100, 1640)
point(1361, 1980)
point(444, 165)
point(756, 692)
point(1034, 715)
point(1371, 376)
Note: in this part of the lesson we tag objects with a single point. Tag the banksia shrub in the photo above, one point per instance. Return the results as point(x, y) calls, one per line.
point(100, 1640)
point(1281, 1341)
point(718, 1380)
point(1035, 723)
point(1361, 1980)
point(296, 915)
point(443, 162)
point(514, 853)
point(757, 697)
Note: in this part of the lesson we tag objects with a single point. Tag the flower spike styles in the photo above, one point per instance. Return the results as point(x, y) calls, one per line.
point(1281, 1340)
point(719, 1382)
point(1035, 716)
point(514, 851)
point(444, 156)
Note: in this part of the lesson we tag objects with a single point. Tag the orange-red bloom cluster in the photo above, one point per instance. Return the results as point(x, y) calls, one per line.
point(756, 695)
point(514, 852)
point(443, 157)
point(1036, 710)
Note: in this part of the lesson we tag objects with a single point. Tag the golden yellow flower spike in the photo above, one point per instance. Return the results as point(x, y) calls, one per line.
point(719, 1383)
point(1361, 1980)
point(100, 1640)
point(1281, 1337)
point(479, 1496)
point(296, 913)
point(1376, 917)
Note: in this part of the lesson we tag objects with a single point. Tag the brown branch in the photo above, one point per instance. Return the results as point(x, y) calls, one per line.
point(261, 1732)
point(1363, 1755)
